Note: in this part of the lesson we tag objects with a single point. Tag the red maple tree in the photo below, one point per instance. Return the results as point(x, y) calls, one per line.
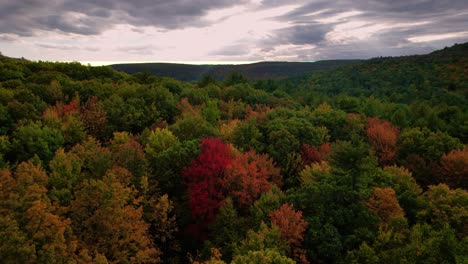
point(203, 178)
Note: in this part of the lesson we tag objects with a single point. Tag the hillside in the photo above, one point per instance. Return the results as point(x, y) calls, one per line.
point(254, 71)
point(445, 69)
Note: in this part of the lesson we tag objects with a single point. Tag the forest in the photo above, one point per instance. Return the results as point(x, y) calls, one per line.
point(364, 163)
point(252, 71)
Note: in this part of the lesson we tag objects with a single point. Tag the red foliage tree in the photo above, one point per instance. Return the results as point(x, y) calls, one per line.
point(383, 137)
point(204, 177)
point(248, 176)
point(454, 168)
point(290, 224)
point(70, 108)
point(60, 111)
point(292, 228)
point(311, 154)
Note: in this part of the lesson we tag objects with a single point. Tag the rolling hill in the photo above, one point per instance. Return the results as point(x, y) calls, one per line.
point(254, 71)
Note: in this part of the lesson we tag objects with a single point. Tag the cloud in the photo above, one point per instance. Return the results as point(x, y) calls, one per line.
point(368, 28)
point(232, 50)
point(138, 50)
point(239, 30)
point(8, 38)
point(311, 33)
point(92, 17)
point(66, 47)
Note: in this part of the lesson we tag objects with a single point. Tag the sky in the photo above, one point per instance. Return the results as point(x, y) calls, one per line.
point(236, 31)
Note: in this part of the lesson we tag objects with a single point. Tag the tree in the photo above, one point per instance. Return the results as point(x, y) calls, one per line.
point(267, 256)
point(167, 167)
point(351, 164)
point(214, 259)
point(235, 78)
point(265, 238)
point(453, 169)
point(383, 137)
point(64, 176)
point(107, 218)
point(129, 154)
point(36, 139)
point(246, 135)
point(267, 203)
point(333, 120)
point(313, 173)
point(158, 141)
point(29, 218)
point(384, 203)
point(292, 228)
point(338, 220)
point(5, 146)
point(421, 149)
point(420, 244)
point(203, 178)
point(406, 189)
point(94, 118)
point(445, 206)
point(248, 176)
point(226, 229)
point(311, 154)
point(96, 159)
point(164, 227)
point(193, 127)
point(211, 112)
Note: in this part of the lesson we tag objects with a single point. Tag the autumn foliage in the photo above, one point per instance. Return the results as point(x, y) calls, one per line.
point(383, 137)
point(204, 179)
point(248, 176)
point(94, 117)
point(311, 154)
point(454, 168)
point(384, 203)
point(292, 227)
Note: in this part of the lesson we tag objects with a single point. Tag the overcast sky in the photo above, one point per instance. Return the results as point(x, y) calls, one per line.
point(227, 30)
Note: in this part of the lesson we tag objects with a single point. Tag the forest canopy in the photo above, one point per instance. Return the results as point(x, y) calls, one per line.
point(365, 163)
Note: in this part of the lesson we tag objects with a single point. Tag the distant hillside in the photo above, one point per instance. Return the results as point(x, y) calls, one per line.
point(254, 71)
point(445, 69)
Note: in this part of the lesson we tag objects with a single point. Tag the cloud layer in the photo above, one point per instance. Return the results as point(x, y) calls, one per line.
point(181, 30)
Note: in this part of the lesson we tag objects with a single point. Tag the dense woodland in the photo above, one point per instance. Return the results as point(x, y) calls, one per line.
point(366, 163)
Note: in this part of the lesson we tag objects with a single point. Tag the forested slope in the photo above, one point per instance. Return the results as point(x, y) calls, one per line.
point(363, 164)
point(253, 71)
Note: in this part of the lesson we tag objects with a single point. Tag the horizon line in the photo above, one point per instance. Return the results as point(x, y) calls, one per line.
point(107, 63)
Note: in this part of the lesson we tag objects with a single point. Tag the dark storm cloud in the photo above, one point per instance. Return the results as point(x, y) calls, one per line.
point(90, 17)
point(82, 26)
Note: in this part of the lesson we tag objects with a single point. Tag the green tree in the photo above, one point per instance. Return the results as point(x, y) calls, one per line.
point(35, 139)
